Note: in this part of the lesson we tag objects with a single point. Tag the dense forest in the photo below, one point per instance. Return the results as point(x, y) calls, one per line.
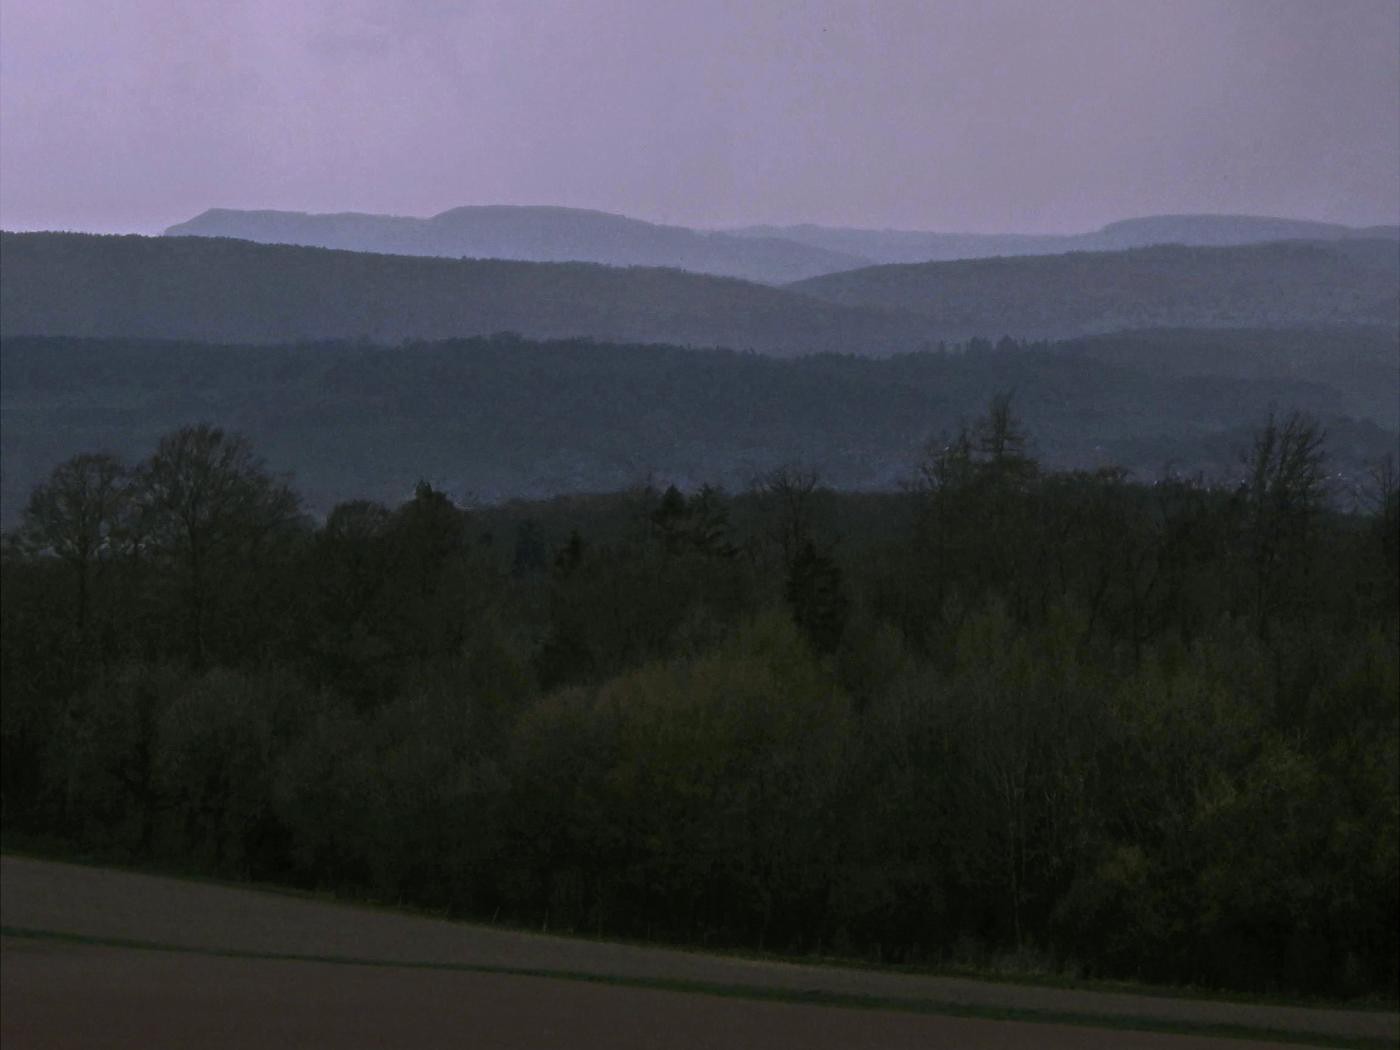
point(1132, 729)
point(489, 419)
point(1106, 685)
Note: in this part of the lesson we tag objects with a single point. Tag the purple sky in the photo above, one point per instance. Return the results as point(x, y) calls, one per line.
point(985, 115)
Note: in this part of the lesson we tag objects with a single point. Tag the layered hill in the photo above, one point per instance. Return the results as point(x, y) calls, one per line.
point(531, 234)
point(910, 246)
point(228, 291)
point(769, 254)
point(1274, 284)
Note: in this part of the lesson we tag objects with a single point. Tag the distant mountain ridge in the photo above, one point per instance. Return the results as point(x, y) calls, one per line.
point(912, 246)
point(530, 234)
point(768, 254)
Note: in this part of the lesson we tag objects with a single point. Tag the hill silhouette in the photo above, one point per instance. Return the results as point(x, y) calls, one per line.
point(910, 246)
point(531, 234)
point(769, 254)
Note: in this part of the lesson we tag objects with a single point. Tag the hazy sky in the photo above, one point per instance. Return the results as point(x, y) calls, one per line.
point(986, 115)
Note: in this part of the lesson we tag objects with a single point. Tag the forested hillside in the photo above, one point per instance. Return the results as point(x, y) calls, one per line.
point(1362, 362)
point(1276, 284)
point(503, 417)
point(534, 234)
point(216, 290)
point(1095, 727)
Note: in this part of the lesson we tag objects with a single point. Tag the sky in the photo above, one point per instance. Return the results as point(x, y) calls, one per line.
point(962, 115)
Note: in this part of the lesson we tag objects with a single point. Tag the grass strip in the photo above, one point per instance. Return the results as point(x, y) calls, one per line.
point(808, 997)
point(47, 851)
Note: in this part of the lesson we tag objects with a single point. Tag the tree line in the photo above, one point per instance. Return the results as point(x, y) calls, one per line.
point(1116, 728)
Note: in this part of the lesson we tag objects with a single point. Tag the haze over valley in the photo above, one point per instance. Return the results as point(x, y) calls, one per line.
point(876, 521)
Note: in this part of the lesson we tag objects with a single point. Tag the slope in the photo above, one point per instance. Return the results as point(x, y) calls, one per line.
point(1272, 284)
point(219, 290)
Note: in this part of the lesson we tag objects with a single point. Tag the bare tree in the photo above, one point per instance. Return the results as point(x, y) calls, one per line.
point(1000, 436)
point(947, 463)
point(208, 503)
point(82, 516)
point(995, 448)
point(794, 489)
point(1285, 490)
point(1287, 466)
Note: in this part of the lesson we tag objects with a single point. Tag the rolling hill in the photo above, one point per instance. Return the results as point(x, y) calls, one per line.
point(911, 246)
point(768, 254)
point(1270, 285)
point(229, 291)
point(531, 234)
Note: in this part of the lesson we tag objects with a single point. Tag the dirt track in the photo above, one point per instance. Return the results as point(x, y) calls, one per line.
point(306, 1003)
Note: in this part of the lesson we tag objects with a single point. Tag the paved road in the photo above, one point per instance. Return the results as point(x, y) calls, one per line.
point(103, 903)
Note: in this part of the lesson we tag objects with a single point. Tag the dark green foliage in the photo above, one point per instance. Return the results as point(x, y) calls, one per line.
point(529, 550)
point(698, 525)
point(816, 594)
point(1128, 730)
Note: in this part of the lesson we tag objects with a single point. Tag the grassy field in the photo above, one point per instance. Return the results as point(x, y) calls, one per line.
point(136, 998)
point(173, 954)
